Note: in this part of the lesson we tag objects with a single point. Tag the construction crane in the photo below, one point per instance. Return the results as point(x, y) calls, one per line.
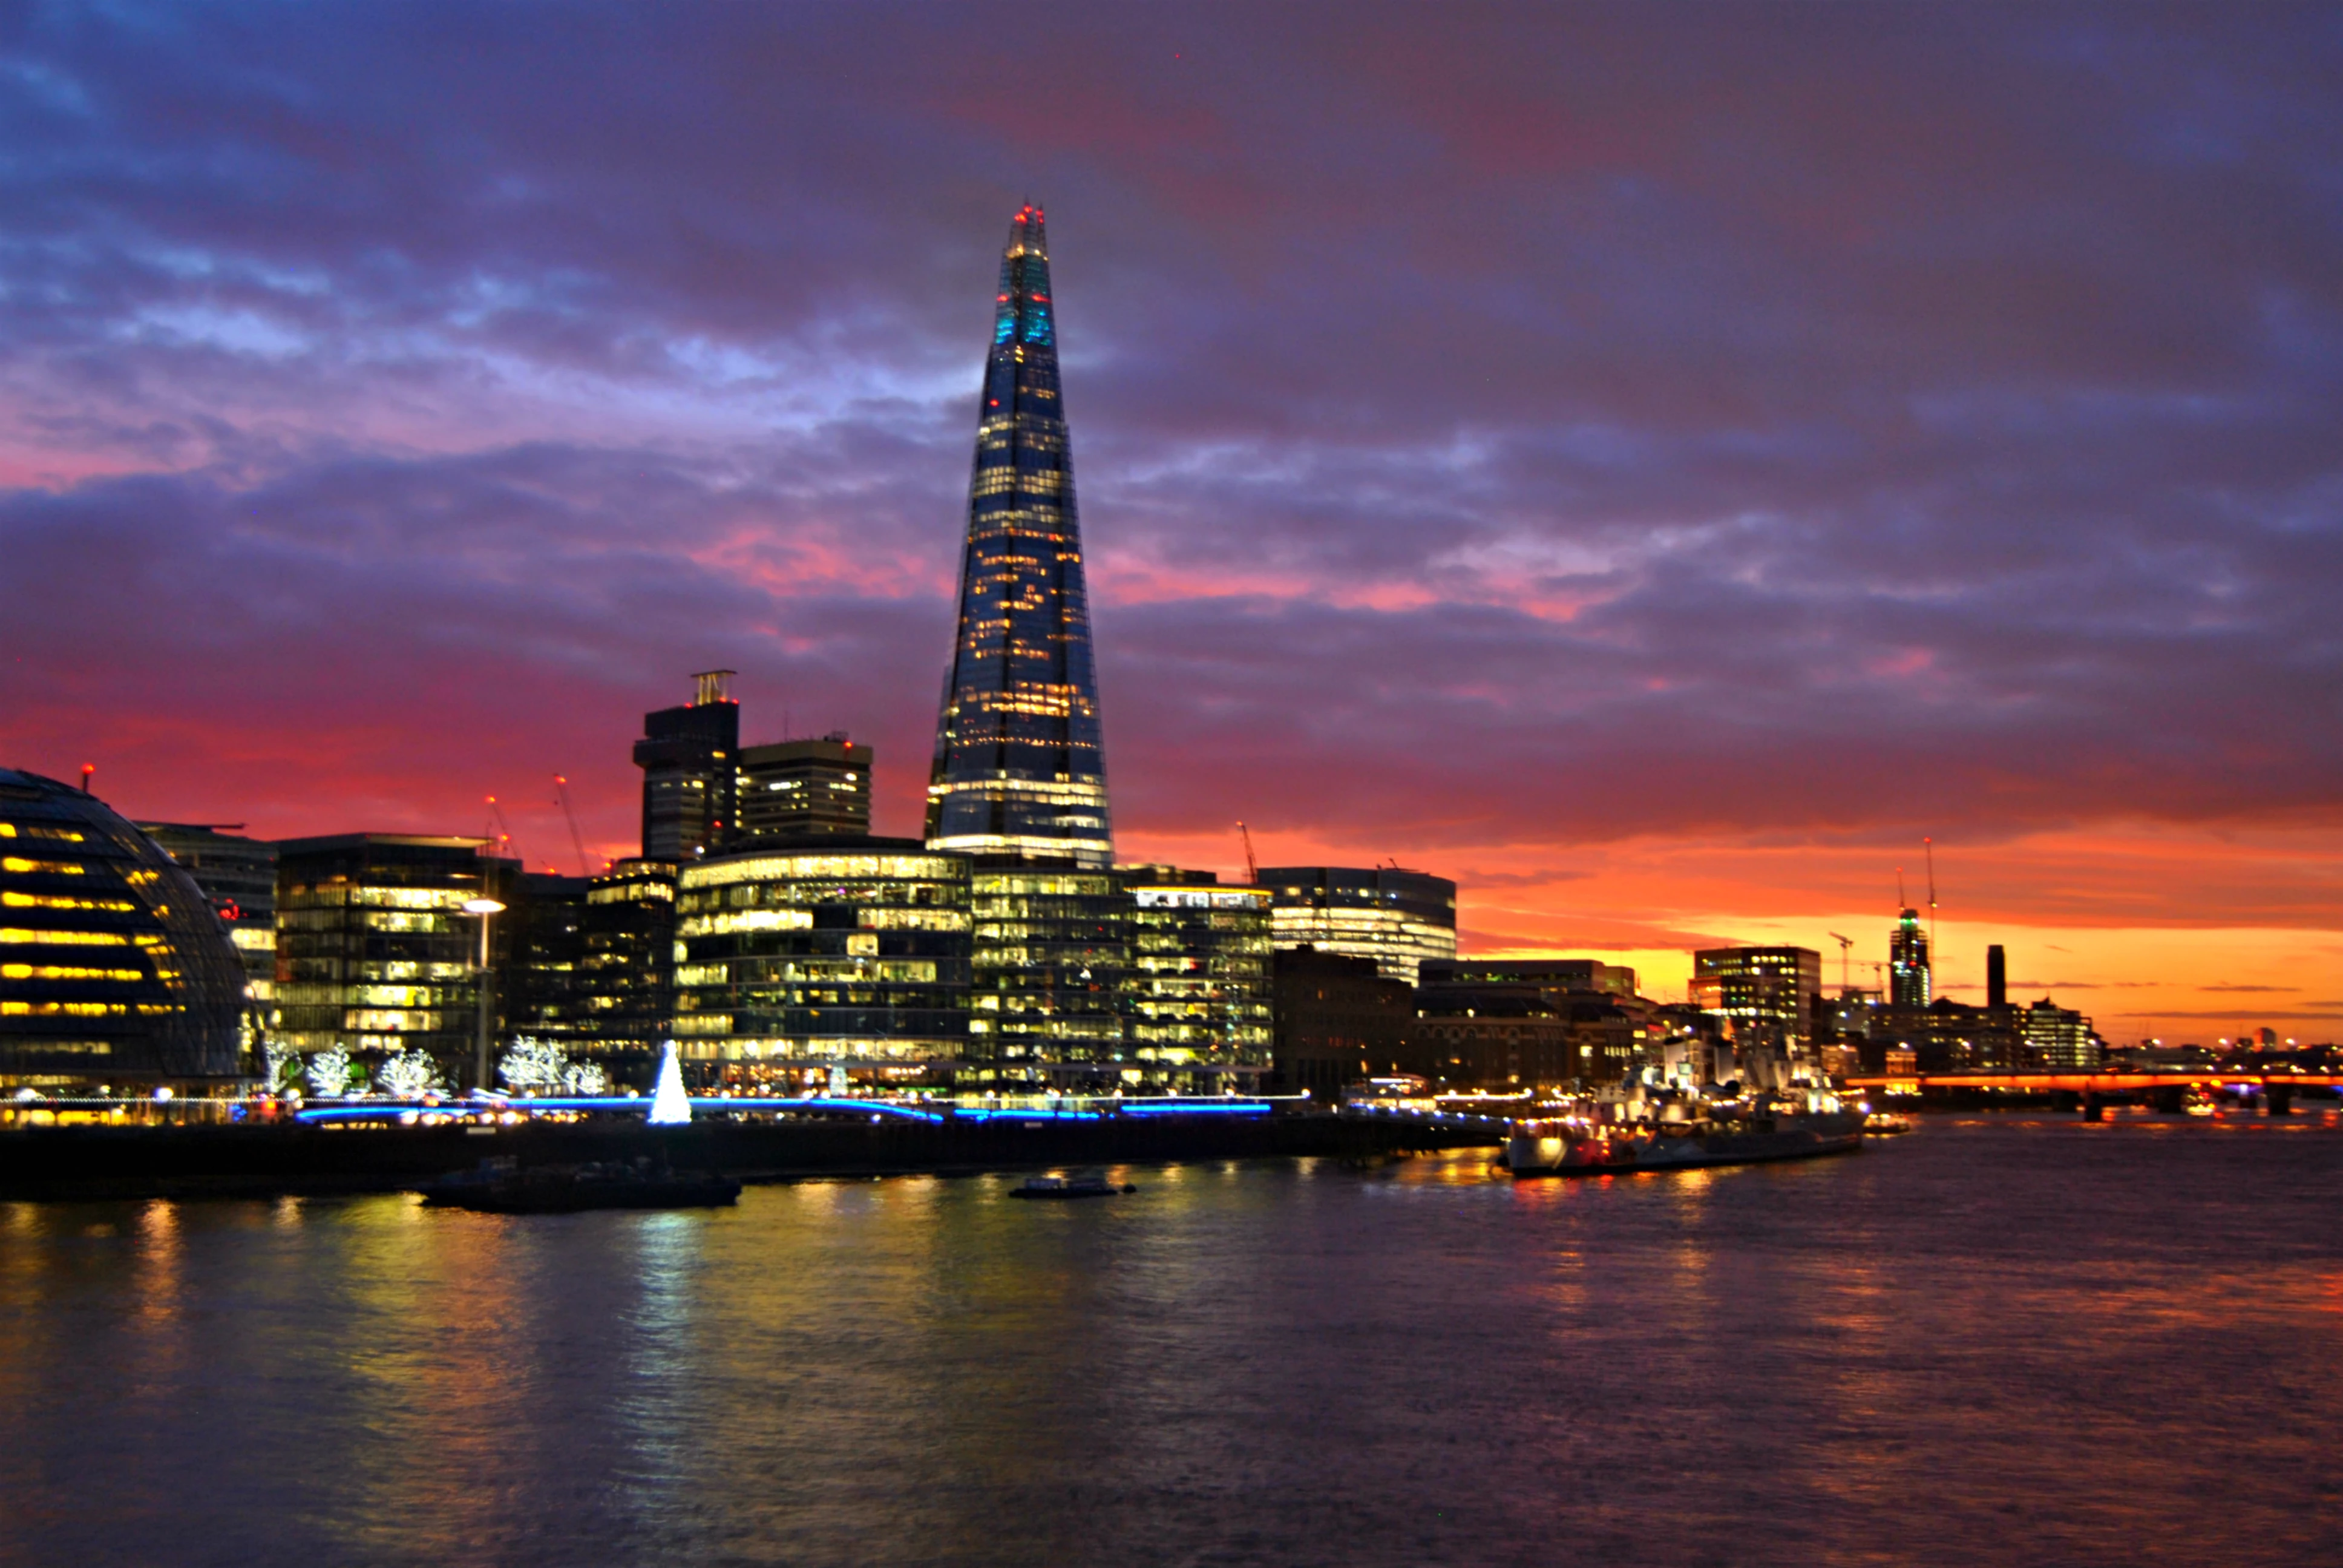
point(1934, 956)
point(561, 795)
point(1253, 872)
point(1843, 944)
point(499, 829)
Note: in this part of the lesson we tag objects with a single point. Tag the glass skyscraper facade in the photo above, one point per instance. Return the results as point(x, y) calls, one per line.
point(1910, 984)
point(793, 963)
point(1020, 769)
point(375, 952)
point(1198, 989)
point(1398, 918)
point(1052, 944)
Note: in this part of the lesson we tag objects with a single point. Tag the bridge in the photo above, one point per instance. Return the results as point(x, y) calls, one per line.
point(2090, 1092)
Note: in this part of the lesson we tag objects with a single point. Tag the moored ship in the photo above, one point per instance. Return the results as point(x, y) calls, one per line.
point(1681, 1134)
point(501, 1188)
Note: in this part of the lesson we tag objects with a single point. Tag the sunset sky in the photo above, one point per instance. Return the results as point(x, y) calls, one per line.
point(1653, 464)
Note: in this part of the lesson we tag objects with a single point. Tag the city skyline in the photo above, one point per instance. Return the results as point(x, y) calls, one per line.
point(1657, 542)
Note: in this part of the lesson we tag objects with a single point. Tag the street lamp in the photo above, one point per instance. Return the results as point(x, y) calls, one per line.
point(487, 909)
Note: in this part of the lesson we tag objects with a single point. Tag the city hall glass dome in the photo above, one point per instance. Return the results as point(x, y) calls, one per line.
point(113, 968)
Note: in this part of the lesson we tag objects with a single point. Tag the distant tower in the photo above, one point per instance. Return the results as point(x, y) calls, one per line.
point(795, 790)
point(1997, 978)
point(1908, 961)
point(690, 759)
point(1019, 769)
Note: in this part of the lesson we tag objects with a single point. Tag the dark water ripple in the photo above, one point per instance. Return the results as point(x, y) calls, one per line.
point(1991, 1342)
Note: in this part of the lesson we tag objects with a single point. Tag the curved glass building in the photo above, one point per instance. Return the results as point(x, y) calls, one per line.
point(1019, 769)
point(114, 968)
point(1400, 919)
point(790, 962)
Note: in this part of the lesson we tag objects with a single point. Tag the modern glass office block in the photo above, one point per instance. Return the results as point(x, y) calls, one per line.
point(791, 963)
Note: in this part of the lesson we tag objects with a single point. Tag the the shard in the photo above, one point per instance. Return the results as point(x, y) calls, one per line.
point(1019, 772)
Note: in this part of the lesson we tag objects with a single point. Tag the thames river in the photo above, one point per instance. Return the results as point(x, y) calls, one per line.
point(2018, 1340)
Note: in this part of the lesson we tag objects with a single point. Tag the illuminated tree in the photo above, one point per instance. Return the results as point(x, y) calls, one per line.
point(408, 1074)
point(585, 1078)
point(538, 1067)
point(328, 1072)
point(281, 1069)
point(531, 1067)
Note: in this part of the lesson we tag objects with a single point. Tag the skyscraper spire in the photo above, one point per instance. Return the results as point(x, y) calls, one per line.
point(1020, 769)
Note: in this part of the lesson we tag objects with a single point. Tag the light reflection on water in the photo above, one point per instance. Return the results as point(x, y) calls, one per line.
point(1993, 1339)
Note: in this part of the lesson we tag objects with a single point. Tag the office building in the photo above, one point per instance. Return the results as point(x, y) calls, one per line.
point(854, 957)
point(239, 875)
point(1908, 984)
point(792, 791)
point(1052, 945)
point(691, 761)
point(1020, 767)
point(1948, 1035)
point(1197, 992)
point(541, 991)
point(1996, 977)
point(1765, 995)
point(1590, 975)
point(1337, 1020)
point(1399, 918)
point(626, 965)
point(114, 968)
point(2057, 1038)
point(1524, 1025)
point(375, 951)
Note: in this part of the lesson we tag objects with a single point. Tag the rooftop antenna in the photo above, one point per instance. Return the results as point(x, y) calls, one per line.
point(87, 770)
point(1900, 905)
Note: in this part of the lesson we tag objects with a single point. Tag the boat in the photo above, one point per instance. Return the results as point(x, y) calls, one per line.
point(1681, 1135)
point(501, 1188)
point(1061, 1187)
point(1887, 1123)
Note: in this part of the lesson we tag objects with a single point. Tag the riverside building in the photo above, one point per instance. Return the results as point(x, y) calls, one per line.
point(1198, 990)
point(1338, 1020)
point(542, 990)
point(115, 970)
point(793, 964)
point(627, 962)
point(1550, 974)
point(2059, 1039)
point(1399, 918)
point(1053, 944)
point(375, 951)
point(1765, 995)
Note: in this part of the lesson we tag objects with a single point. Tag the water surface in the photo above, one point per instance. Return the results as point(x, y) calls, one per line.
point(1992, 1341)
